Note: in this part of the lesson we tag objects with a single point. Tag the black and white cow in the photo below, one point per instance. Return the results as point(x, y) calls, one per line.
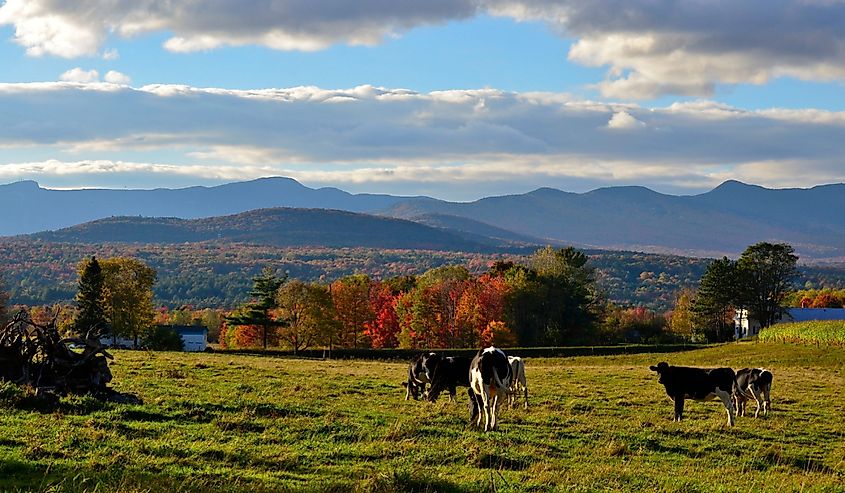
point(420, 372)
point(753, 383)
point(489, 377)
point(518, 383)
point(699, 384)
point(449, 374)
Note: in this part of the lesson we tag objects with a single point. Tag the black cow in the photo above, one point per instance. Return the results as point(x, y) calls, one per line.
point(699, 384)
point(420, 372)
point(489, 377)
point(449, 374)
point(753, 383)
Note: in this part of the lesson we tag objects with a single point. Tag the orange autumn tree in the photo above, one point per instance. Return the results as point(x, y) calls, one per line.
point(351, 298)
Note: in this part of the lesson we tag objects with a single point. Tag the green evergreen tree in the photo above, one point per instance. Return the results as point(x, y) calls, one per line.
point(768, 271)
point(90, 319)
point(718, 294)
point(258, 312)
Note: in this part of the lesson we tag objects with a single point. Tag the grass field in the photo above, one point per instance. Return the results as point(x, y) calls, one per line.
point(216, 422)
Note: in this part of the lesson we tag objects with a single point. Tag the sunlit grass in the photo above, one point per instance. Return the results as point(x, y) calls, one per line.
point(215, 422)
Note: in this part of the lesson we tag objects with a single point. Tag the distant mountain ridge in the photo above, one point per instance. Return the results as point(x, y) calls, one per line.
point(722, 221)
point(279, 227)
point(28, 208)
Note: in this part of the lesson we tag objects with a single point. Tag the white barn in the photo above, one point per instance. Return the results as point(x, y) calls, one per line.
point(745, 327)
point(194, 338)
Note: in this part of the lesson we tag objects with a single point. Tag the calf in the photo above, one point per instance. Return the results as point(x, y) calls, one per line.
point(420, 372)
point(753, 383)
point(518, 383)
point(699, 384)
point(489, 377)
point(449, 374)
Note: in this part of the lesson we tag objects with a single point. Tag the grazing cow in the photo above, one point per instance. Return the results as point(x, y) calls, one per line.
point(449, 374)
point(753, 383)
point(420, 372)
point(517, 380)
point(699, 384)
point(489, 377)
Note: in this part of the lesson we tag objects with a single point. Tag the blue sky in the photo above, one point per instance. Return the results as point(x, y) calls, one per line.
point(454, 99)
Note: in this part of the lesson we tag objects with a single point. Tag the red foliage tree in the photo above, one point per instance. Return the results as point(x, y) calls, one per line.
point(383, 330)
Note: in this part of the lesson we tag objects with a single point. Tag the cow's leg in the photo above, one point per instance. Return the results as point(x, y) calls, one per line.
point(767, 399)
point(679, 407)
point(494, 408)
point(726, 400)
point(525, 391)
point(453, 394)
point(489, 418)
point(758, 398)
point(739, 403)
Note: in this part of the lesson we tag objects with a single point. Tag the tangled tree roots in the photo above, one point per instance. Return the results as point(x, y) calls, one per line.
point(35, 355)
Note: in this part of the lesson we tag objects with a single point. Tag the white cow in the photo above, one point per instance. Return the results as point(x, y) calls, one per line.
point(489, 377)
point(518, 383)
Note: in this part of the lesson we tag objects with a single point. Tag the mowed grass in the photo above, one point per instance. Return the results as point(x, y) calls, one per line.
point(217, 422)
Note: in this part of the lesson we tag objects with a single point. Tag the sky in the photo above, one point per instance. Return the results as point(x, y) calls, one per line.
point(455, 99)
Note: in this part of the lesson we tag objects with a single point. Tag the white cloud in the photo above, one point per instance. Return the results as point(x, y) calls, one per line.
point(81, 76)
point(624, 121)
point(115, 77)
point(380, 135)
point(651, 47)
point(111, 55)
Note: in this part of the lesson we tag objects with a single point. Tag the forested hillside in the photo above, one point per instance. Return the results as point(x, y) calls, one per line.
point(279, 227)
point(219, 275)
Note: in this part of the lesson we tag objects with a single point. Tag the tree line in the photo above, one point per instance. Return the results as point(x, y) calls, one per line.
point(551, 299)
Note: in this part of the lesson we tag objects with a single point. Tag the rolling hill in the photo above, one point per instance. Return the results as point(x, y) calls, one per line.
point(279, 227)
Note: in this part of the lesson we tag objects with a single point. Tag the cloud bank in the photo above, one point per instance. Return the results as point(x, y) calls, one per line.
point(370, 136)
point(650, 47)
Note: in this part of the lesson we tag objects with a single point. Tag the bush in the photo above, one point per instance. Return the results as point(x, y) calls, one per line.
point(163, 339)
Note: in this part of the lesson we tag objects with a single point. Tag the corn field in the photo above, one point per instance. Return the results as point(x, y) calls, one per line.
point(821, 333)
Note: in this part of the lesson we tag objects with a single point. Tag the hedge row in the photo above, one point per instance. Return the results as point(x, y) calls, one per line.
point(532, 352)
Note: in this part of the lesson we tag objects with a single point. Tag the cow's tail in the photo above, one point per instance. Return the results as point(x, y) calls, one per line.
point(497, 380)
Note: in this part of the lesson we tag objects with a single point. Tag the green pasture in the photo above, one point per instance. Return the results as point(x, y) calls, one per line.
point(218, 422)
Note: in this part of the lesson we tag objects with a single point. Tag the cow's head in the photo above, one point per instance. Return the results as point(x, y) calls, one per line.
point(429, 363)
point(660, 369)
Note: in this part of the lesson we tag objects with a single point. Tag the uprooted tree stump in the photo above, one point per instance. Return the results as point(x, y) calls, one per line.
point(36, 355)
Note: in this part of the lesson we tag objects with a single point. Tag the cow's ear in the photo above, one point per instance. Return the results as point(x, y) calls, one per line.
point(653, 368)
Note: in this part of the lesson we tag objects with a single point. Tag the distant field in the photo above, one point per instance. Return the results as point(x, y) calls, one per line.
point(215, 422)
point(824, 333)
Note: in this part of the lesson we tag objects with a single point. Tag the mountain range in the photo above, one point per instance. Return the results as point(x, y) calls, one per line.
point(722, 221)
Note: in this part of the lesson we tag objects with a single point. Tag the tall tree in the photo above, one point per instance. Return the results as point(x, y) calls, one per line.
point(128, 296)
point(681, 319)
point(258, 312)
point(569, 294)
point(719, 293)
point(309, 313)
point(91, 316)
point(768, 269)
point(351, 297)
